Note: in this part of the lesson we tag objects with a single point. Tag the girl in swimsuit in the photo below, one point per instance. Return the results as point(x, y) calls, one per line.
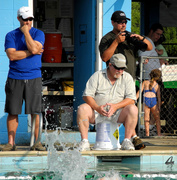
point(152, 100)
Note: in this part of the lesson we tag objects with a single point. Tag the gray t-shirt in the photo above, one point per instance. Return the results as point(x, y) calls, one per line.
point(153, 63)
point(100, 88)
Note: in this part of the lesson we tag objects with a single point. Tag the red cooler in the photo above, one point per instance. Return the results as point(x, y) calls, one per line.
point(52, 48)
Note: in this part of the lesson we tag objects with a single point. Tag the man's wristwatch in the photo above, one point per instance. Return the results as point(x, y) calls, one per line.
point(143, 38)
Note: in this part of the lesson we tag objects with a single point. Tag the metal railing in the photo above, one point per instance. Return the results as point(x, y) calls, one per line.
point(33, 129)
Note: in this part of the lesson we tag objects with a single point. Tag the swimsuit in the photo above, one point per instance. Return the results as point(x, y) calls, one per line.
point(150, 101)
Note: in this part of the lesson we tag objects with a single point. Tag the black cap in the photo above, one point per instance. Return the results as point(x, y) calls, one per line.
point(119, 15)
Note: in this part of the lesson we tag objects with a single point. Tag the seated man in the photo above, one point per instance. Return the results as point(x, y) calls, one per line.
point(115, 88)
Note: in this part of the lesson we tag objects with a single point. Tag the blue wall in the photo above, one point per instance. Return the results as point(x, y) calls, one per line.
point(8, 14)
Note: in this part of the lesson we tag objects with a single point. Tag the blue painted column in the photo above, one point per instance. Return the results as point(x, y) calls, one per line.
point(84, 47)
point(8, 14)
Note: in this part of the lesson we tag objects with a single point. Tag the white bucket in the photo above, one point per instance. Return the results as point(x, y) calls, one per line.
point(107, 136)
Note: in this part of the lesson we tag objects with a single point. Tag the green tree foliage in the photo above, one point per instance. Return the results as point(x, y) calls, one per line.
point(170, 44)
point(135, 18)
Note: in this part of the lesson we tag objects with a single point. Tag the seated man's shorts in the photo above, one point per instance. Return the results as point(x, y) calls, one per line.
point(114, 118)
point(28, 90)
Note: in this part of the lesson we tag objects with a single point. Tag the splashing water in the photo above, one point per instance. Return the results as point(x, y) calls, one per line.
point(68, 164)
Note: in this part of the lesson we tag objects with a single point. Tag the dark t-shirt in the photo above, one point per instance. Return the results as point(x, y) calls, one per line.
point(125, 48)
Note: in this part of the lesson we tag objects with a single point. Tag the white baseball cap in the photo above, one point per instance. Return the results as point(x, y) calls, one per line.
point(118, 60)
point(25, 12)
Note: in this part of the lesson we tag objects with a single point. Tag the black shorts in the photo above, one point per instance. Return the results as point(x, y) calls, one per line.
point(28, 90)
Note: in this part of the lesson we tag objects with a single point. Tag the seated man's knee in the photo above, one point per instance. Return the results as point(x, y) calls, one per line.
point(83, 107)
point(132, 109)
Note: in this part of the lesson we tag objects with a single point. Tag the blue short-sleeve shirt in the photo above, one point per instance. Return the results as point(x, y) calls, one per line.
point(27, 68)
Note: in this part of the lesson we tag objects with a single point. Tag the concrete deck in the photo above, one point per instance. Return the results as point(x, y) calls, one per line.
point(154, 146)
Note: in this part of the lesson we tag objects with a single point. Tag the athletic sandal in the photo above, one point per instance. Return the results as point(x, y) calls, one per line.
point(38, 147)
point(9, 147)
point(138, 143)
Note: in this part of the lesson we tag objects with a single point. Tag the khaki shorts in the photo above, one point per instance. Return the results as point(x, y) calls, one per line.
point(100, 118)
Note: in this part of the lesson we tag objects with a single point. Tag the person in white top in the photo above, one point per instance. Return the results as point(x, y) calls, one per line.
point(115, 88)
point(153, 36)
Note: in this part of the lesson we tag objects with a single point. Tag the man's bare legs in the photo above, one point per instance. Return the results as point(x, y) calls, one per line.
point(12, 124)
point(85, 115)
point(129, 117)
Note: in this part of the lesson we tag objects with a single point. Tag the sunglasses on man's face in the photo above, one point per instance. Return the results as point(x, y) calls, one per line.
point(118, 68)
point(122, 22)
point(28, 19)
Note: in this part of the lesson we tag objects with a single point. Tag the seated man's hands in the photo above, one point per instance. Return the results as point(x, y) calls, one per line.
point(107, 110)
point(112, 109)
point(102, 110)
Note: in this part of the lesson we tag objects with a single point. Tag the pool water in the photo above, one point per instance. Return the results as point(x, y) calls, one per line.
point(101, 171)
point(131, 171)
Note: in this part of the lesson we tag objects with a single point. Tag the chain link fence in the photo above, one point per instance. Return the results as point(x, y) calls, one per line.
point(168, 94)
